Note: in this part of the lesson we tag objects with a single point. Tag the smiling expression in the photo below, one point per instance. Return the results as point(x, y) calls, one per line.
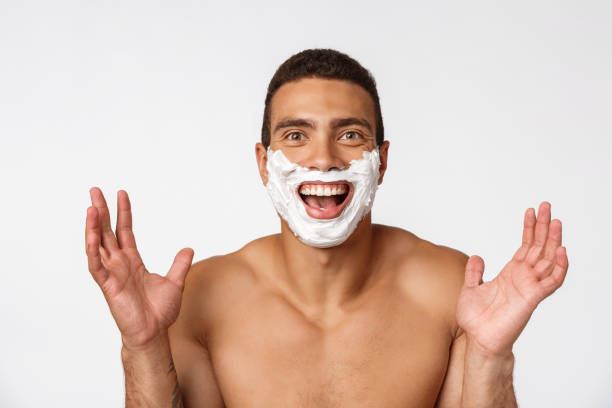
point(322, 124)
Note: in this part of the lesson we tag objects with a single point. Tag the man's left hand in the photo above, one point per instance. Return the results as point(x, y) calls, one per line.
point(494, 313)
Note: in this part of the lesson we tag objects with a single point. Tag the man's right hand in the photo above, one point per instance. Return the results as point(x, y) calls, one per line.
point(143, 304)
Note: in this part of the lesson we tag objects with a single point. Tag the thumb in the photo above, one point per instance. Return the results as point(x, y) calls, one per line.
point(473, 271)
point(180, 267)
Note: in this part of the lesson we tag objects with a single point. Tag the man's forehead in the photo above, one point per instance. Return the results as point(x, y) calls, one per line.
point(319, 99)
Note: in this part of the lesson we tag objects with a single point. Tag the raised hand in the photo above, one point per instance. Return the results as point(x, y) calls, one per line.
point(143, 304)
point(494, 313)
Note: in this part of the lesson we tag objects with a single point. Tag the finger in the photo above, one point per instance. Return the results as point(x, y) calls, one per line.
point(542, 223)
point(474, 270)
point(528, 227)
point(553, 281)
point(92, 246)
point(535, 252)
point(180, 267)
point(529, 221)
point(554, 240)
point(124, 232)
point(108, 237)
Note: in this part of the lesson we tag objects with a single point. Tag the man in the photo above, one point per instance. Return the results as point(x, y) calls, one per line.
point(333, 311)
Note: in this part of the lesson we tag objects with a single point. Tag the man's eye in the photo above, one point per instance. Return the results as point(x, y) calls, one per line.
point(350, 136)
point(295, 136)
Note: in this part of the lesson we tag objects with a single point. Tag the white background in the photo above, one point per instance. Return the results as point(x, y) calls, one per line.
point(490, 109)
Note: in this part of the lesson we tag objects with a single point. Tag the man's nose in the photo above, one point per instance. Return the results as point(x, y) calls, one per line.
point(323, 157)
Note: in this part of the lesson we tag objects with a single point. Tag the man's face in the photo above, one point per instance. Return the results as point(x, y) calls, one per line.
point(322, 124)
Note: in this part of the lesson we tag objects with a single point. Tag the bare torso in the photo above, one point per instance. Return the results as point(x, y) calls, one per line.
point(388, 346)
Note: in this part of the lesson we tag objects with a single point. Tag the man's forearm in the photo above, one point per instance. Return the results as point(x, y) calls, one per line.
point(487, 379)
point(150, 377)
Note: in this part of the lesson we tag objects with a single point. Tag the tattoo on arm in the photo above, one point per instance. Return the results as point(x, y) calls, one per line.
point(177, 397)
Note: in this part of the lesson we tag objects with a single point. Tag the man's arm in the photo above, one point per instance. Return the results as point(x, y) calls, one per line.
point(152, 379)
point(196, 378)
point(150, 376)
point(175, 370)
point(487, 378)
point(493, 314)
point(144, 305)
point(475, 378)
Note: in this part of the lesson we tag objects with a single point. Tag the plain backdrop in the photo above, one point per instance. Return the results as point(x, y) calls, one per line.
point(490, 108)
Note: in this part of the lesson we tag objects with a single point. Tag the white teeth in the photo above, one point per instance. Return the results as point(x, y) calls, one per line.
point(323, 190)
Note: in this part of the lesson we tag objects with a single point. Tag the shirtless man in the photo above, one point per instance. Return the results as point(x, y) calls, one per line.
point(365, 316)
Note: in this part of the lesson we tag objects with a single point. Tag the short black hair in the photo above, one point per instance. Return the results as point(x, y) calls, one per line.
point(322, 63)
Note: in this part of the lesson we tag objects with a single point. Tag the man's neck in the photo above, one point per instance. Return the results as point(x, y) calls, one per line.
point(319, 281)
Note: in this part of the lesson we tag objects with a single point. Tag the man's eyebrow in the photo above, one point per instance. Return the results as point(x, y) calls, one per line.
point(291, 122)
point(341, 122)
point(335, 123)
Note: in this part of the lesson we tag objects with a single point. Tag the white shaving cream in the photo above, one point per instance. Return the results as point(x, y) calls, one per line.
point(284, 178)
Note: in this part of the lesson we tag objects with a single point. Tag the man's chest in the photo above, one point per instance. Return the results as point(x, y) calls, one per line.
point(389, 354)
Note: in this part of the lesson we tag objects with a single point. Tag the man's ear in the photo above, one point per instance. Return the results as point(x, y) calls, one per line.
point(261, 155)
point(383, 152)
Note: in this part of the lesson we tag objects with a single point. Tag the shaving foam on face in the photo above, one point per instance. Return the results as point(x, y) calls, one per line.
point(285, 177)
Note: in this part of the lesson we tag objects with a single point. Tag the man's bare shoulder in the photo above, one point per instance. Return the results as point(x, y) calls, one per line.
point(428, 273)
point(223, 282)
point(235, 264)
point(405, 246)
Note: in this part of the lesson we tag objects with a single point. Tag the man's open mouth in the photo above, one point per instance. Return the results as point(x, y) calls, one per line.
point(325, 200)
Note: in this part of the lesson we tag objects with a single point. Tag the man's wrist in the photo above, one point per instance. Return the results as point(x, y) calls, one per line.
point(486, 356)
point(149, 348)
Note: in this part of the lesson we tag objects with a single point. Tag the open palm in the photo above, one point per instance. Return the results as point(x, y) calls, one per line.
point(494, 313)
point(143, 304)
